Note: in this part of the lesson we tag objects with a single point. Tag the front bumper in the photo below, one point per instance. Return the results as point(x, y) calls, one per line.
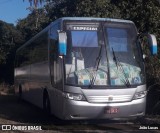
point(84, 110)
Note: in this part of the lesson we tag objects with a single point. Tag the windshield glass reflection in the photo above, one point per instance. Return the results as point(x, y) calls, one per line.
point(117, 62)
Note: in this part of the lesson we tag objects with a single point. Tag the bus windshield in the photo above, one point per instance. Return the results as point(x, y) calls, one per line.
point(116, 62)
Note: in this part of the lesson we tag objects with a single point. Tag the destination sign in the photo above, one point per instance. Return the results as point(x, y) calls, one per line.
point(84, 28)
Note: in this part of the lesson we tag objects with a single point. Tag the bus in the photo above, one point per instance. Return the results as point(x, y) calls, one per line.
point(85, 68)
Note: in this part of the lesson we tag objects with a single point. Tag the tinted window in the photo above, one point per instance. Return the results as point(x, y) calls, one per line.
point(117, 39)
point(23, 57)
point(39, 51)
point(84, 39)
point(36, 51)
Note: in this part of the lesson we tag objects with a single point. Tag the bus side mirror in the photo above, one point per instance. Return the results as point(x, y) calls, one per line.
point(62, 42)
point(148, 42)
point(152, 44)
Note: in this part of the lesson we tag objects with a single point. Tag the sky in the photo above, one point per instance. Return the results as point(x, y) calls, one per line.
point(12, 10)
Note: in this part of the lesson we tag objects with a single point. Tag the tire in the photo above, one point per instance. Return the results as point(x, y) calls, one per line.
point(46, 103)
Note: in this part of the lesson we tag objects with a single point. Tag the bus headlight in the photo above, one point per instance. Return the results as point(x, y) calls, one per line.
point(74, 96)
point(140, 94)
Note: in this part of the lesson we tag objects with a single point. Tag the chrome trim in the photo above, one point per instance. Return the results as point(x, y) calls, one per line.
point(109, 98)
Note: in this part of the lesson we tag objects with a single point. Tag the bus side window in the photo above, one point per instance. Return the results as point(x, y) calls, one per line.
point(55, 60)
point(39, 50)
point(23, 57)
point(53, 54)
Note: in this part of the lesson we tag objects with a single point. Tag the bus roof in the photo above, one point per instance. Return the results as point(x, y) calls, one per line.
point(95, 19)
point(76, 19)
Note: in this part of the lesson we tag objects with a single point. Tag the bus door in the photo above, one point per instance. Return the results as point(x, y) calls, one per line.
point(56, 73)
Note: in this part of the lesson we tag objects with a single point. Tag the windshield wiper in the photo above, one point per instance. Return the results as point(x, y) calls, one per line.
point(119, 65)
point(94, 75)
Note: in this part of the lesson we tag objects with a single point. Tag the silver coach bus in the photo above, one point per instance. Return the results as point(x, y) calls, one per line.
point(84, 68)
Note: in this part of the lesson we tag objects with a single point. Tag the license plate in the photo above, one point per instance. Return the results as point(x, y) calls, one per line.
point(111, 110)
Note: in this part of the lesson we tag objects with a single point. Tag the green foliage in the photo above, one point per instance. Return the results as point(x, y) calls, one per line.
point(34, 23)
point(85, 8)
point(10, 38)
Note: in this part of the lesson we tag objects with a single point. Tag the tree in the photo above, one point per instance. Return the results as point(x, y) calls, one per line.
point(34, 3)
point(10, 38)
point(81, 8)
point(29, 26)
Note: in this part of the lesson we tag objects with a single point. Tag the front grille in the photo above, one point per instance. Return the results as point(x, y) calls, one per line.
point(109, 98)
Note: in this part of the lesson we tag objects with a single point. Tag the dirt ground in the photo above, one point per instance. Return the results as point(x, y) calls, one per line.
point(20, 114)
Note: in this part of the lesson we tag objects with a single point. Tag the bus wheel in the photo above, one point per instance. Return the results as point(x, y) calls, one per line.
point(46, 103)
